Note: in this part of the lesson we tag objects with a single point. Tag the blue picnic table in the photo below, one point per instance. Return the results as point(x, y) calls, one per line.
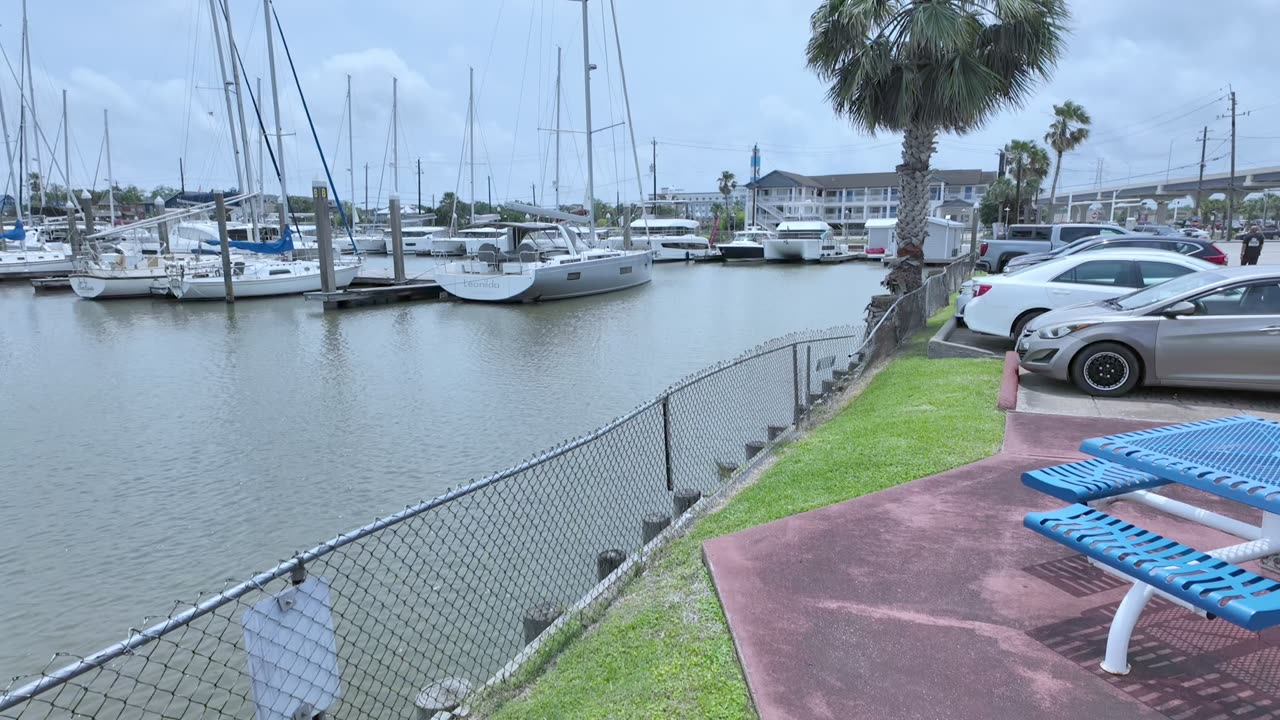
point(1237, 458)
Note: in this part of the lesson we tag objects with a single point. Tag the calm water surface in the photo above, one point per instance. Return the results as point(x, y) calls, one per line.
point(150, 449)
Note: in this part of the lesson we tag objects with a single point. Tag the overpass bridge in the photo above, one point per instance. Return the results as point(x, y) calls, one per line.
point(1077, 204)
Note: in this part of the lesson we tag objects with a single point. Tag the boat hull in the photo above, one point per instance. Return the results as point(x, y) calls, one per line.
point(447, 246)
point(52, 264)
point(556, 282)
point(99, 286)
point(742, 253)
point(793, 250)
point(213, 288)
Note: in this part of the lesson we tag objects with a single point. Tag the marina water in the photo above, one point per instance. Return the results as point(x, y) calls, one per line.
point(154, 449)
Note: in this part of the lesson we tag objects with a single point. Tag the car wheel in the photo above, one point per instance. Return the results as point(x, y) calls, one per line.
point(1021, 323)
point(1106, 370)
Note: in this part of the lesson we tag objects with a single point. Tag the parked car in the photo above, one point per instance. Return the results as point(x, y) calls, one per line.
point(1202, 249)
point(1028, 239)
point(1003, 305)
point(1195, 232)
point(1215, 329)
point(1145, 229)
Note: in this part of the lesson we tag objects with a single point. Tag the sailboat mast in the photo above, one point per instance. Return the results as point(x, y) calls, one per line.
point(626, 97)
point(471, 131)
point(111, 178)
point(66, 152)
point(226, 92)
point(275, 106)
point(31, 85)
point(586, 78)
point(244, 128)
point(8, 149)
point(395, 136)
point(262, 174)
point(559, 53)
point(351, 147)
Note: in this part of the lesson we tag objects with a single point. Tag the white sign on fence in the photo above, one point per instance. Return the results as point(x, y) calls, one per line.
point(293, 657)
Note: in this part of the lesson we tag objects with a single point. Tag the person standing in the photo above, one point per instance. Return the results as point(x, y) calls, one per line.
point(1251, 245)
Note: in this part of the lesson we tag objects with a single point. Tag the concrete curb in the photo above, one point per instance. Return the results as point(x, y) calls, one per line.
point(1008, 398)
point(941, 348)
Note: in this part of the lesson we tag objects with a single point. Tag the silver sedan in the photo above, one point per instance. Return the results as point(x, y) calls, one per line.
point(1211, 329)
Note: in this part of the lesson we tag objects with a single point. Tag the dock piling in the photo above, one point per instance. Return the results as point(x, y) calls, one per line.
point(397, 240)
point(324, 236)
point(538, 618)
point(684, 499)
point(607, 561)
point(220, 205)
point(754, 448)
point(653, 524)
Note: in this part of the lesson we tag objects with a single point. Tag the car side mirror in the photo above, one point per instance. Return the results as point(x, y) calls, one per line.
point(1179, 309)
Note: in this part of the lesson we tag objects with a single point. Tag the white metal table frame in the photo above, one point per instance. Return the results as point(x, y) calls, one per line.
point(1260, 541)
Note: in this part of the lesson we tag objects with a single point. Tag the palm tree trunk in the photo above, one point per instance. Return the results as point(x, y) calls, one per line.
point(1053, 192)
point(1017, 197)
point(913, 209)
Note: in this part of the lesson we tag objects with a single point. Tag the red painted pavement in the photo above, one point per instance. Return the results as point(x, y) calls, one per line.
point(930, 600)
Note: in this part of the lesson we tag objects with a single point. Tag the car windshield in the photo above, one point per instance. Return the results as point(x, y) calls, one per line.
point(1082, 244)
point(1165, 291)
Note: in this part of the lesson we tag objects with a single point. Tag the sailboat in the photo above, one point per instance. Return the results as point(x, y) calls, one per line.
point(23, 255)
point(548, 261)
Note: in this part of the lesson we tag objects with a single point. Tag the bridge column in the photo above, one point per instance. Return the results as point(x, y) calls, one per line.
point(1162, 212)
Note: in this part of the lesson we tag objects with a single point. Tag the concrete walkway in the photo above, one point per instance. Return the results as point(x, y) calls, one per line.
point(930, 600)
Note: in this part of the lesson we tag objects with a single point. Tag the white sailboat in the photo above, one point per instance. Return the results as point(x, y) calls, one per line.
point(548, 261)
point(24, 255)
point(253, 278)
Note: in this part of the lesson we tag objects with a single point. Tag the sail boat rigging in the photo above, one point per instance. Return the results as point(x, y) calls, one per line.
point(548, 261)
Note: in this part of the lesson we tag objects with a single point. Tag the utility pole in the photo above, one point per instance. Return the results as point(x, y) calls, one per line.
point(419, 184)
point(533, 187)
point(1204, 141)
point(488, 179)
point(1231, 186)
point(366, 188)
point(654, 168)
point(182, 178)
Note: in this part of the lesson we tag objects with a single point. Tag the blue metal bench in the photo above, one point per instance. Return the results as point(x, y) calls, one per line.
point(1089, 480)
point(1198, 579)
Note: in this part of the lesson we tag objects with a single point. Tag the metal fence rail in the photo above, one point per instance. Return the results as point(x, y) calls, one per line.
point(455, 587)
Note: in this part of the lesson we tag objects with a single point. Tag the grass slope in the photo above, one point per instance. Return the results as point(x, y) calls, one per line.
point(663, 649)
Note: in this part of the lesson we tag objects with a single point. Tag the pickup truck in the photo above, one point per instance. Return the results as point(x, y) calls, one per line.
point(1027, 239)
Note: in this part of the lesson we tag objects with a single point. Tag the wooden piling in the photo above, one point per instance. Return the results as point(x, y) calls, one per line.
point(725, 470)
point(684, 499)
point(754, 448)
point(324, 236)
point(538, 618)
point(397, 241)
point(775, 431)
point(607, 561)
point(220, 207)
point(652, 525)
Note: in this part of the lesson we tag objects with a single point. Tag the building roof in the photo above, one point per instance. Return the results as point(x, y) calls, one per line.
point(782, 178)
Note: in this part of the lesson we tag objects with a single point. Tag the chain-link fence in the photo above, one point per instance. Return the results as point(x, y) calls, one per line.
point(455, 587)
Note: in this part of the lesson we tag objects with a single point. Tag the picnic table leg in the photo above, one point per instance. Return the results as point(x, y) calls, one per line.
point(1116, 661)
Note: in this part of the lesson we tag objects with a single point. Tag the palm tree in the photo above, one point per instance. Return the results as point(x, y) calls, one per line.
point(727, 185)
point(923, 67)
point(1028, 163)
point(1070, 128)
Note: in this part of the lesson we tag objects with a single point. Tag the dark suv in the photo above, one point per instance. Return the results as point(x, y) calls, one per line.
point(1193, 247)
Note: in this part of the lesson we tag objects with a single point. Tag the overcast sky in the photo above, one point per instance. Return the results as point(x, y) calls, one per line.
point(707, 79)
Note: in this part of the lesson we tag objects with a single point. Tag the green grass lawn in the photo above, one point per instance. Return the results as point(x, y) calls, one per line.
point(662, 650)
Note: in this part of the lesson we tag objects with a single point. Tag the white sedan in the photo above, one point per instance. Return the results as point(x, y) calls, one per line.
point(1004, 304)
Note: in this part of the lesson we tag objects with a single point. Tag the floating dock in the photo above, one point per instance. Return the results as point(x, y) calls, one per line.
point(383, 294)
point(51, 284)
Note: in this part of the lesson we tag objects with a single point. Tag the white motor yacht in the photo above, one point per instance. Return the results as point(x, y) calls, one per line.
point(799, 241)
point(747, 245)
point(475, 237)
point(423, 240)
point(670, 239)
point(542, 261)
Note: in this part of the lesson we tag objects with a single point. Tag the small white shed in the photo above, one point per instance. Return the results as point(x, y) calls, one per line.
point(882, 238)
point(941, 244)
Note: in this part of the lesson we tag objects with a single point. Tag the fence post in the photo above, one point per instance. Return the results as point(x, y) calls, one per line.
point(685, 499)
point(795, 385)
point(607, 561)
point(666, 442)
point(653, 524)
